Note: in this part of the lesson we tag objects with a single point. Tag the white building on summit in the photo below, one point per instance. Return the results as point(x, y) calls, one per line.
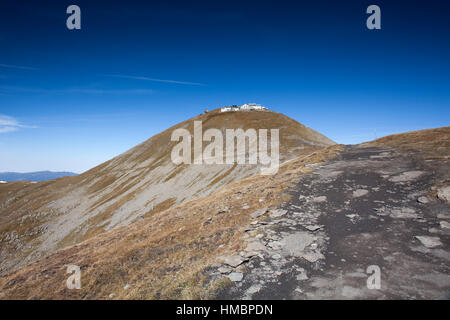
point(245, 107)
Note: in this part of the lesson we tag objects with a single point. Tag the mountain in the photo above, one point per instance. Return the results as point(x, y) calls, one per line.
point(310, 231)
point(33, 176)
point(38, 219)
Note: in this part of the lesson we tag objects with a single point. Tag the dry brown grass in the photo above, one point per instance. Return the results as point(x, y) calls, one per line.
point(165, 255)
point(432, 143)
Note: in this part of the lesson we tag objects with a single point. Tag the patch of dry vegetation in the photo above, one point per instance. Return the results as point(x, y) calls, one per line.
point(165, 255)
point(432, 143)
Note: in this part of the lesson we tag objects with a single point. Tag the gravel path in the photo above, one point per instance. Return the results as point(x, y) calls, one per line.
point(366, 211)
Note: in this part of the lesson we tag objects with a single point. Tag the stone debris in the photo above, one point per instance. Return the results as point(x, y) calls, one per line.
point(255, 246)
point(404, 213)
point(312, 256)
point(277, 213)
point(258, 213)
point(253, 289)
point(423, 200)
point(127, 286)
point(359, 193)
point(429, 242)
point(225, 269)
point(313, 227)
point(236, 276)
point(407, 176)
point(250, 254)
point(352, 216)
point(444, 225)
point(275, 245)
point(296, 243)
point(234, 261)
point(319, 199)
point(302, 275)
point(444, 194)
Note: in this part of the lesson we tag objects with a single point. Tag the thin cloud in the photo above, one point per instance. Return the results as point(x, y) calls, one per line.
point(155, 80)
point(7, 129)
point(10, 124)
point(12, 66)
point(76, 90)
point(101, 91)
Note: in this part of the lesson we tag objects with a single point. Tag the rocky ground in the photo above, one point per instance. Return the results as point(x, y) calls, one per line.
point(370, 208)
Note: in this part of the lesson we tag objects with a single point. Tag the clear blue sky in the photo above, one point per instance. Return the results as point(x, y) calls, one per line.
point(70, 100)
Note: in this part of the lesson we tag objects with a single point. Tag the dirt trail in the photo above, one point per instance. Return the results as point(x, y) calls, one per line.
point(359, 210)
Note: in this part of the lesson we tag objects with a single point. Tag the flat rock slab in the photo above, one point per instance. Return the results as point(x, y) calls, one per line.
point(407, 176)
point(444, 194)
point(234, 261)
point(404, 213)
point(295, 244)
point(225, 269)
point(277, 213)
point(312, 256)
point(236, 276)
point(429, 242)
point(319, 199)
point(423, 200)
point(258, 213)
point(444, 225)
point(359, 193)
point(302, 276)
point(255, 246)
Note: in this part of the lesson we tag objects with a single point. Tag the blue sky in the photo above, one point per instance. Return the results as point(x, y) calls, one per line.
point(70, 100)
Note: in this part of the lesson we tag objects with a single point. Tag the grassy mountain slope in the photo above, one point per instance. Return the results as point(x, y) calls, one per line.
point(37, 219)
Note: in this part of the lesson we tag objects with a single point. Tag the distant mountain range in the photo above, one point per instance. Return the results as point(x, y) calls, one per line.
point(33, 176)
